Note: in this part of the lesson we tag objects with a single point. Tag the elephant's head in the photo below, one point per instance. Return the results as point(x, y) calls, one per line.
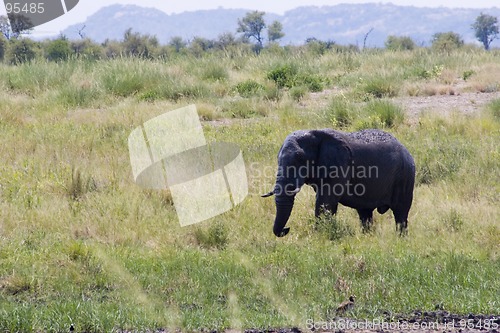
point(302, 160)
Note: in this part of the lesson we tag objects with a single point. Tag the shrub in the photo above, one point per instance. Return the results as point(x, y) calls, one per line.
point(177, 44)
point(199, 46)
point(87, 49)
point(446, 41)
point(21, 51)
point(467, 74)
point(319, 47)
point(3, 47)
point(288, 76)
point(314, 83)
point(395, 43)
point(434, 73)
point(215, 237)
point(112, 49)
point(284, 76)
point(389, 114)
point(137, 45)
point(58, 49)
point(249, 88)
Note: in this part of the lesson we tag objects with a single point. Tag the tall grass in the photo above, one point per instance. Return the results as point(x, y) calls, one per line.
point(81, 244)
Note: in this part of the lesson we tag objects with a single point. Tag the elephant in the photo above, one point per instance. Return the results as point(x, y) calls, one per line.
point(364, 170)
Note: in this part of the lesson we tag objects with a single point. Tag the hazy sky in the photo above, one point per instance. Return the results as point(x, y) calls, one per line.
point(88, 7)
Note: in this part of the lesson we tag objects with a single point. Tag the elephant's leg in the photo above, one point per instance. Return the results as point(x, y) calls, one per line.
point(401, 217)
point(366, 217)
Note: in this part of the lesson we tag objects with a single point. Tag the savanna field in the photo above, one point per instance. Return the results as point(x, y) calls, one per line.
point(82, 244)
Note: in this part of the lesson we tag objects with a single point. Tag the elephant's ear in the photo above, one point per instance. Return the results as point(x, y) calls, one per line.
point(334, 156)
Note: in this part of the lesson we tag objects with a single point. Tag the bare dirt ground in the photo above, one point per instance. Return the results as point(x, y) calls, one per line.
point(446, 104)
point(467, 103)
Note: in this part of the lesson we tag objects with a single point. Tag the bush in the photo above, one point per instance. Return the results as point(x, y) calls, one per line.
point(314, 83)
point(249, 88)
point(21, 51)
point(87, 49)
point(58, 49)
point(215, 237)
point(288, 76)
point(388, 113)
point(199, 46)
point(137, 45)
point(113, 49)
point(395, 43)
point(467, 74)
point(319, 47)
point(426, 74)
point(446, 41)
point(284, 76)
point(3, 47)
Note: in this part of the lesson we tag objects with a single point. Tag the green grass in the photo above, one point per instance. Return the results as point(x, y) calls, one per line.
point(81, 243)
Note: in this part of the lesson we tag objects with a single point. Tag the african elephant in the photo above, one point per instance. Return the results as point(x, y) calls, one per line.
point(363, 170)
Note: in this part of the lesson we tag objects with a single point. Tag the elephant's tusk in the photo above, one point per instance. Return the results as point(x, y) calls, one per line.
point(297, 190)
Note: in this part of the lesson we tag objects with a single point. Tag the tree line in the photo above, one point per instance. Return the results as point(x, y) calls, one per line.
point(250, 37)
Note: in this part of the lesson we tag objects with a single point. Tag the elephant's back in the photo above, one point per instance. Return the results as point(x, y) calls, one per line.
point(372, 136)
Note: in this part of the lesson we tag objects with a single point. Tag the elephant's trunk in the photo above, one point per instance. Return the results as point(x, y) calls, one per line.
point(283, 211)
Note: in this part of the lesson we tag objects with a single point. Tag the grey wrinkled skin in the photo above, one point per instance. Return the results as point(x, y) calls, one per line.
point(332, 162)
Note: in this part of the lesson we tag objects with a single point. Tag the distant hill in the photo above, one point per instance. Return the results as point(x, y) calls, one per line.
point(344, 23)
